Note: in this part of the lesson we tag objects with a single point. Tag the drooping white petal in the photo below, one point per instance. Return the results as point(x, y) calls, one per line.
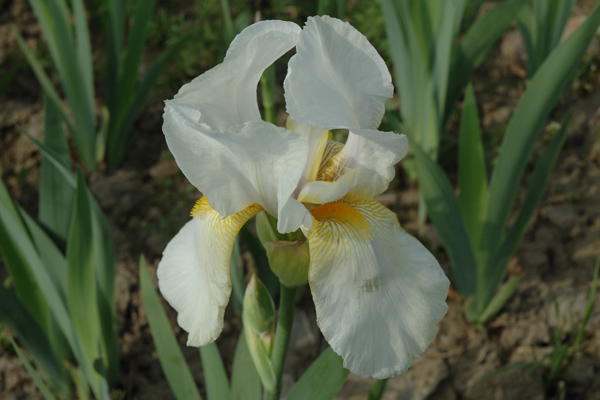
point(378, 292)
point(226, 94)
point(374, 153)
point(336, 79)
point(255, 162)
point(193, 274)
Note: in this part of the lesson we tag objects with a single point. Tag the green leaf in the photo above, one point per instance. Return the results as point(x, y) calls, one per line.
point(119, 136)
point(52, 156)
point(45, 82)
point(133, 54)
point(322, 380)
point(65, 50)
point(22, 250)
point(245, 381)
point(445, 215)
point(170, 356)
point(475, 44)
point(472, 179)
point(36, 378)
point(17, 250)
point(29, 332)
point(81, 281)
point(535, 190)
point(104, 263)
point(553, 77)
point(56, 194)
point(377, 389)
point(215, 377)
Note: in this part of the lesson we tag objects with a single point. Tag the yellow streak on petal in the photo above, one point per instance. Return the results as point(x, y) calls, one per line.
point(343, 217)
point(229, 225)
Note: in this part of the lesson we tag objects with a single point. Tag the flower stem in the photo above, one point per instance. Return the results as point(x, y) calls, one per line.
point(283, 333)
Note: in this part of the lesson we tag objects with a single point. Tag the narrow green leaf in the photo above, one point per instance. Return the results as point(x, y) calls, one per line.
point(245, 381)
point(535, 190)
point(36, 378)
point(29, 332)
point(119, 136)
point(56, 194)
point(445, 215)
point(472, 179)
point(170, 356)
point(133, 55)
point(215, 377)
point(53, 259)
point(21, 249)
point(14, 246)
point(104, 263)
point(322, 380)
point(45, 82)
point(499, 300)
point(475, 44)
point(81, 280)
point(52, 156)
point(83, 51)
point(56, 24)
point(377, 389)
point(553, 77)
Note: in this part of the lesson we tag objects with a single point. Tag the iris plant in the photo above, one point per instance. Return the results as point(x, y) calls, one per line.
point(379, 293)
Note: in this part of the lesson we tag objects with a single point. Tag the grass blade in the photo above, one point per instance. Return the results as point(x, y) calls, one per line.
point(535, 190)
point(36, 378)
point(322, 380)
point(445, 215)
point(29, 332)
point(547, 85)
point(245, 381)
point(56, 194)
point(472, 179)
point(217, 384)
point(475, 44)
point(15, 247)
point(119, 136)
point(170, 356)
point(133, 55)
point(81, 281)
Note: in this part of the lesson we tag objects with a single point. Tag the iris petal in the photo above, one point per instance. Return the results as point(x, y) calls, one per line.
point(255, 162)
point(193, 274)
point(336, 79)
point(378, 292)
point(226, 95)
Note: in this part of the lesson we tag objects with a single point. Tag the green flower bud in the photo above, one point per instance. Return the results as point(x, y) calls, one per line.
point(259, 329)
point(287, 253)
point(289, 261)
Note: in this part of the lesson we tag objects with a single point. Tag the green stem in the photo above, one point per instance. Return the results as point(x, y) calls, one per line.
point(283, 333)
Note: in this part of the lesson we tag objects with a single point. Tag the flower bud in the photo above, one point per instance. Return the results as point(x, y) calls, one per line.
point(259, 329)
point(287, 253)
point(289, 261)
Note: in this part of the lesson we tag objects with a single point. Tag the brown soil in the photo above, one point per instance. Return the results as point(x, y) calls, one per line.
point(148, 199)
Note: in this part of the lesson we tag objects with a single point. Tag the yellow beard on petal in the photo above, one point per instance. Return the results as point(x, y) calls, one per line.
point(342, 214)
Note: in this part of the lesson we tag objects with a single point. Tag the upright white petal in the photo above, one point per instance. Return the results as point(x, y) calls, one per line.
point(378, 292)
point(255, 162)
point(226, 94)
point(336, 79)
point(193, 274)
point(374, 153)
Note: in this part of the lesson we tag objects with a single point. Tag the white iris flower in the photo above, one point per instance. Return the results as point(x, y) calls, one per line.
point(378, 292)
